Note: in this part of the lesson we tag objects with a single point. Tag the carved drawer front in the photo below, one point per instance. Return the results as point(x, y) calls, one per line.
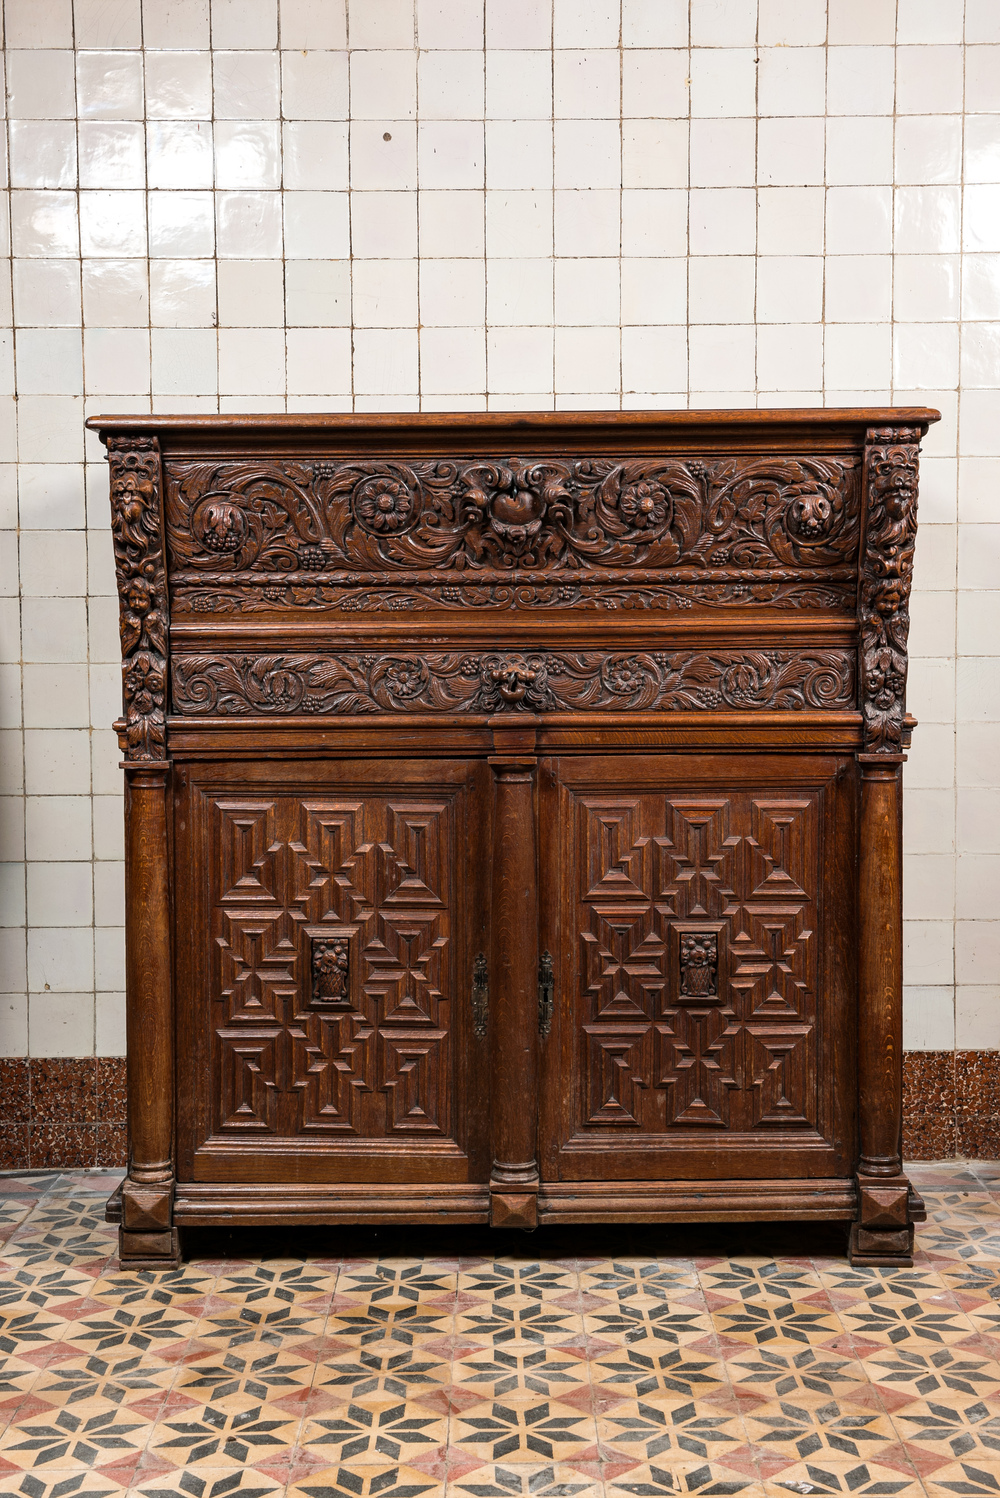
point(693, 985)
point(512, 531)
point(328, 953)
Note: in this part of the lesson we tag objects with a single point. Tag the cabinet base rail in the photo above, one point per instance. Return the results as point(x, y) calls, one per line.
point(213, 1204)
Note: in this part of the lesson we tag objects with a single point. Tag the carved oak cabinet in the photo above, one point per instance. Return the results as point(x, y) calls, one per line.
point(513, 818)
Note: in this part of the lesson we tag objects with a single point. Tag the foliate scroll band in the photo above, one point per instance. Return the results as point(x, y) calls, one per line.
point(354, 684)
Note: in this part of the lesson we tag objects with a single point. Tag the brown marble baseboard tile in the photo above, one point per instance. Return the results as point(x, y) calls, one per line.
point(928, 1082)
point(951, 1105)
point(62, 1112)
point(979, 1136)
point(977, 1082)
point(63, 1089)
point(111, 1090)
point(112, 1144)
point(64, 1146)
point(930, 1136)
point(13, 1146)
point(15, 1090)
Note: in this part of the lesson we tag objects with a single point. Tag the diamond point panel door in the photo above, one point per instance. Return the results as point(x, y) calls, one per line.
point(703, 1000)
point(331, 934)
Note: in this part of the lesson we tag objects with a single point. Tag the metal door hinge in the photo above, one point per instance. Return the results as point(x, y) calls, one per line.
point(480, 995)
point(546, 993)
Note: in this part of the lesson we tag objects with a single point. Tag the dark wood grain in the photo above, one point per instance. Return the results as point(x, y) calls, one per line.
point(410, 701)
point(514, 987)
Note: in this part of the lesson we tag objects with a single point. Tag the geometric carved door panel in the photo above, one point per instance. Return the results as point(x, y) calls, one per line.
point(338, 927)
point(699, 1015)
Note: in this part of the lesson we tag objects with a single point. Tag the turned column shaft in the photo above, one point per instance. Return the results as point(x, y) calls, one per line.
point(880, 1016)
point(149, 993)
point(514, 975)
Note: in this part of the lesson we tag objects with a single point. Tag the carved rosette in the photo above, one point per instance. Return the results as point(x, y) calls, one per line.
point(354, 684)
point(137, 531)
point(884, 583)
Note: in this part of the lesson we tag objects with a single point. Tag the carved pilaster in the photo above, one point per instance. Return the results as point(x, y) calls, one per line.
point(886, 570)
point(148, 1238)
point(137, 527)
point(883, 1233)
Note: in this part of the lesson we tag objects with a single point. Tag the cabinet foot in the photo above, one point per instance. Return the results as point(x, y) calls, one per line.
point(113, 1205)
point(883, 1234)
point(149, 1250)
point(888, 1248)
point(514, 1210)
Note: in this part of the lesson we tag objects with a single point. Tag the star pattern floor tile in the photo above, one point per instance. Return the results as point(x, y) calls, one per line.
point(578, 1363)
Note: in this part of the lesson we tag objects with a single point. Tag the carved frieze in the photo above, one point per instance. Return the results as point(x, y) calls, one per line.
point(511, 532)
point(606, 594)
point(884, 584)
point(142, 590)
point(351, 683)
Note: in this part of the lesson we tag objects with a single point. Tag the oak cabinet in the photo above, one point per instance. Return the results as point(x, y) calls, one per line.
point(513, 818)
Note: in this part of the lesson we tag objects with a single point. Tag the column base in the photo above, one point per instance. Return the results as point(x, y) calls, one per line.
point(513, 1208)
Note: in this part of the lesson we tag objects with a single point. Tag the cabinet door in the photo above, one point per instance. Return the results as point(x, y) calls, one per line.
point(700, 918)
point(328, 919)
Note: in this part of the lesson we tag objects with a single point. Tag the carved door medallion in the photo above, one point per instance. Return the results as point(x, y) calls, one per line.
point(701, 995)
point(331, 949)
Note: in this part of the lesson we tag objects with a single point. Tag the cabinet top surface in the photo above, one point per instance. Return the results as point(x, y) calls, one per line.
point(449, 426)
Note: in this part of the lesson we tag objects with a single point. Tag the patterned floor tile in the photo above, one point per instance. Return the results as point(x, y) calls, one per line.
point(497, 1377)
point(800, 1429)
point(383, 1368)
point(228, 1431)
point(967, 1479)
point(522, 1427)
point(910, 1323)
point(768, 1320)
point(65, 1483)
point(668, 1479)
point(647, 1430)
point(629, 1322)
point(637, 1372)
point(955, 1428)
point(548, 1480)
point(387, 1480)
point(374, 1430)
point(94, 1432)
point(550, 1371)
point(823, 1476)
point(771, 1372)
point(205, 1483)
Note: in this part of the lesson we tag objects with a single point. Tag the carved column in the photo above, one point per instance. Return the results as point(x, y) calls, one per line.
point(514, 991)
point(148, 1238)
point(883, 1233)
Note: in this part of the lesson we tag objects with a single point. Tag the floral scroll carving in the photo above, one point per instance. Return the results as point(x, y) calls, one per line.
point(511, 532)
point(142, 590)
point(542, 681)
point(884, 584)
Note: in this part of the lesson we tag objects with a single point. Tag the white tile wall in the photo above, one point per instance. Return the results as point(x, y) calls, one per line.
point(486, 204)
